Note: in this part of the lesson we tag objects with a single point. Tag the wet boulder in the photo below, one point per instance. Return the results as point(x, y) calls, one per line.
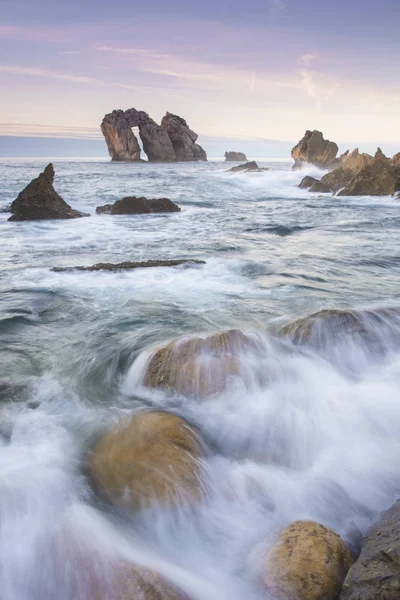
point(151, 459)
point(307, 182)
point(308, 562)
point(315, 150)
point(132, 205)
point(314, 185)
point(40, 201)
point(249, 167)
point(232, 156)
point(376, 573)
point(199, 367)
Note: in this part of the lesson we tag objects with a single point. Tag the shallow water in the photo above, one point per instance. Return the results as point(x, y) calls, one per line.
point(318, 439)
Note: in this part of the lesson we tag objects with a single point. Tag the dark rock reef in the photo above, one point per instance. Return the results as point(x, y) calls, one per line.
point(232, 156)
point(315, 150)
point(132, 265)
point(376, 573)
point(132, 205)
point(40, 201)
point(171, 141)
point(249, 167)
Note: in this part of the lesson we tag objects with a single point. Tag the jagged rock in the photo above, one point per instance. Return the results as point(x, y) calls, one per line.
point(40, 201)
point(151, 459)
point(169, 142)
point(249, 167)
point(320, 187)
point(377, 178)
point(199, 367)
point(308, 562)
point(307, 182)
point(395, 160)
point(183, 139)
point(376, 573)
point(132, 205)
point(335, 180)
point(314, 149)
point(233, 156)
point(131, 265)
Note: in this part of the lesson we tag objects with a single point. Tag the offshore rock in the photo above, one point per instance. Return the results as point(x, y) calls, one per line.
point(376, 573)
point(151, 460)
point(132, 205)
point(40, 201)
point(308, 562)
point(199, 367)
point(249, 167)
point(314, 149)
point(232, 156)
point(131, 265)
point(169, 142)
point(183, 139)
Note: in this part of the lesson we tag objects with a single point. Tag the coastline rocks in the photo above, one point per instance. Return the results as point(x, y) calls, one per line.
point(249, 167)
point(376, 178)
point(308, 562)
point(40, 201)
point(199, 367)
point(376, 573)
point(171, 141)
point(151, 459)
point(232, 156)
point(132, 205)
point(183, 139)
point(132, 265)
point(314, 149)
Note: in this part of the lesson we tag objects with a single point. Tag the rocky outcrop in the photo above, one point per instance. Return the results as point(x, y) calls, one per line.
point(171, 141)
point(315, 150)
point(132, 205)
point(40, 201)
point(249, 167)
point(183, 139)
point(132, 265)
point(308, 562)
point(376, 573)
point(152, 459)
point(232, 156)
point(199, 367)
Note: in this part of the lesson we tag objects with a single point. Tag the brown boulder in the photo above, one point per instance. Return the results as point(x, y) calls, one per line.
point(308, 562)
point(249, 167)
point(40, 201)
point(335, 180)
point(233, 156)
point(307, 182)
point(152, 459)
point(314, 149)
point(132, 205)
point(376, 178)
point(376, 573)
point(198, 367)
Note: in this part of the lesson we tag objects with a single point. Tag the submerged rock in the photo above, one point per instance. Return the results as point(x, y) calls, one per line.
point(249, 167)
point(132, 265)
point(171, 141)
point(308, 562)
point(376, 573)
point(40, 201)
point(132, 205)
point(314, 149)
point(151, 459)
point(233, 156)
point(199, 367)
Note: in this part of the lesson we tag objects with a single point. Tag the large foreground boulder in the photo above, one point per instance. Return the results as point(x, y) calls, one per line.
point(171, 141)
point(308, 562)
point(232, 156)
point(132, 205)
point(315, 150)
point(152, 459)
point(40, 201)
point(199, 367)
point(376, 573)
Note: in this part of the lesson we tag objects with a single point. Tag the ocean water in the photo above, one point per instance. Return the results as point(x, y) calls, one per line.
point(316, 439)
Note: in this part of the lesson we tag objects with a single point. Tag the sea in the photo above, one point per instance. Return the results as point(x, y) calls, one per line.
point(317, 439)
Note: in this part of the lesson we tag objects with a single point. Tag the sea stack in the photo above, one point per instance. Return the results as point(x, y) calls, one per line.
point(315, 150)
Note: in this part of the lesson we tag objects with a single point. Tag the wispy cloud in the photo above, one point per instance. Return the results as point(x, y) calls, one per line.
point(59, 131)
point(306, 59)
point(68, 52)
point(143, 52)
point(278, 4)
point(21, 33)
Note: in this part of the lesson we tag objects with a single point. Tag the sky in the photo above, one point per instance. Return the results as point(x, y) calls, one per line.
point(246, 71)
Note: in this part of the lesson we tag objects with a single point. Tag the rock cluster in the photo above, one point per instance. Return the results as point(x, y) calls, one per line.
point(314, 149)
point(171, 141)
point(40, 201)
point(232, 156)
point(132, 205)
